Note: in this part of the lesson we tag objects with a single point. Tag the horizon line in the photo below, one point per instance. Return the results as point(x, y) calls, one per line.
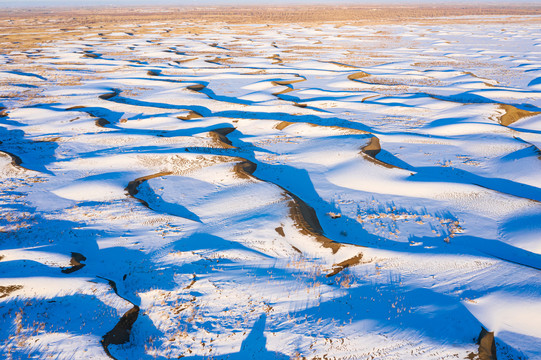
point(205, 4)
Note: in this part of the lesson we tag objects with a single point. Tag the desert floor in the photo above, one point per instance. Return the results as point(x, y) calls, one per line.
point(270, 184)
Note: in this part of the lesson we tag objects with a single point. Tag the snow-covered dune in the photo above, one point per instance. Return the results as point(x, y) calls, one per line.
point(273, 192)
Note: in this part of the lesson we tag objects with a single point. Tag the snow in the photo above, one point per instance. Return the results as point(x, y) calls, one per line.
point(241, 202)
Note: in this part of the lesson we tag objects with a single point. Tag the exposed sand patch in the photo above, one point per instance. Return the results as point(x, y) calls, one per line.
point(358, 75)
point(282, 125)
point(192, 283)
point(120, 334)
point(16, 161)
point(276, 59)
point(220, 137)
point(512, 114)
point(196, 87)
point(101, 122)
point(244, 169)
point(287, 84)
point(348, 66)
point(185, 60)
point(75, 263)
point(191, 115)
point(345, 264)
point(91, 55)
point(306, 220)
point(6, 290)
point(109, 95)
point(372, 148)
point(134, 184)
point(487, 345)
point(370, 151)
point(342, 129)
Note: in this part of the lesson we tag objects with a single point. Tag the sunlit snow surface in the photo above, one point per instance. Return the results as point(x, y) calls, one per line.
point(136, 151)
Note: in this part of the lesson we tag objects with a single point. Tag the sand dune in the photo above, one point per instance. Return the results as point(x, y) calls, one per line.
point(176, 186)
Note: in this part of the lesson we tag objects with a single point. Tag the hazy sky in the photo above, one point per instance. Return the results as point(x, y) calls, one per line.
point(31, 3)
